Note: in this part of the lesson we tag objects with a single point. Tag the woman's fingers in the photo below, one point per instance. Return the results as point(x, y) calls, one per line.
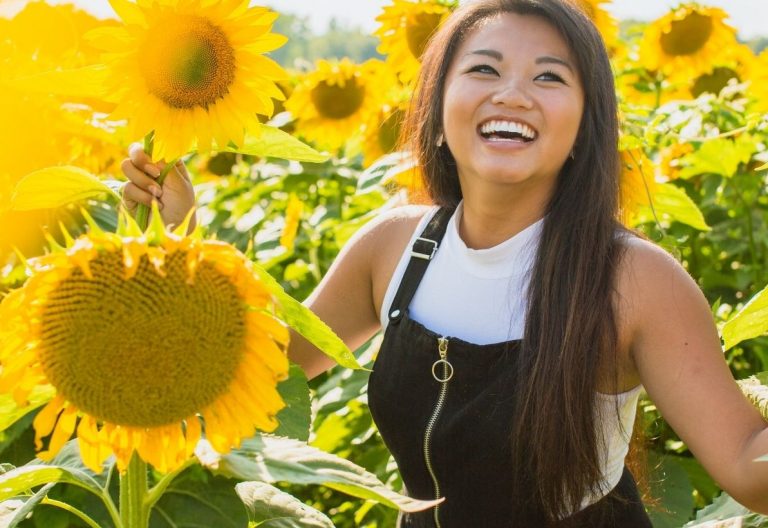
point(140, 179)
point(141, 161)
point(132, 196)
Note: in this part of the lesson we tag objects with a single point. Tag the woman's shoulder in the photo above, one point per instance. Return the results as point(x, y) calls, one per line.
point(395, 224)
point(650, 279)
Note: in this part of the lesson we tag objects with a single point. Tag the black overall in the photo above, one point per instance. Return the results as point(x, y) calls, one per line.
point(470, 424)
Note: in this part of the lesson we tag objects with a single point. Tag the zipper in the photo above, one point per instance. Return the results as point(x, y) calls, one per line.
point(443, 377)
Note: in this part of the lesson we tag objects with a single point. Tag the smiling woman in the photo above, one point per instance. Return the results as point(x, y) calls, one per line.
point(521, 319)
point(511, 113)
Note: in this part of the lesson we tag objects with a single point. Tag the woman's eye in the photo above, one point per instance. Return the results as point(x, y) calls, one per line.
point(482, 68)
point(551, 76)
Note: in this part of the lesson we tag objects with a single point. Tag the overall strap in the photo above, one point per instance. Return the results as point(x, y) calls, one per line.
point(422, 252)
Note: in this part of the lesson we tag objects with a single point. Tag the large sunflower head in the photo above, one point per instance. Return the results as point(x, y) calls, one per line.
point(143, 336)
point(191, 70)
point(406, 27)
point(333, 103)
point(687, 41)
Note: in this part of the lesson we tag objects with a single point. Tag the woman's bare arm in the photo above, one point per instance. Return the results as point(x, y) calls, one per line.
point(677, 354)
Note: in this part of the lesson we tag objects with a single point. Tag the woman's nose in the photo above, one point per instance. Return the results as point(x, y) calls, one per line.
point(512, 94)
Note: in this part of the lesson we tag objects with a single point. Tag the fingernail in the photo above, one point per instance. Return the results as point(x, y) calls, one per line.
point(152, 170)
point(156, 191)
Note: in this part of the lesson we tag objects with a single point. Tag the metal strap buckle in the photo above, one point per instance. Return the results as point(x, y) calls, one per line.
point(428, 255)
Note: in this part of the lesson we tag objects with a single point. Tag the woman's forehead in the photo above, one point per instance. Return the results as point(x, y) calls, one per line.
point(514, 32)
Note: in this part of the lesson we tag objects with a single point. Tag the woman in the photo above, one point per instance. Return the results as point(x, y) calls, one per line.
point(513, 357)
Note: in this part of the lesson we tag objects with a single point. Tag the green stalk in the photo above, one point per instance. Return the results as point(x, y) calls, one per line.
point(134, 512)
point(142, 212)
point(71, 509)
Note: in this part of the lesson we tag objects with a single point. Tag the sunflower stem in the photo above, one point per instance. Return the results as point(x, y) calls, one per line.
point(133, 490)
point(71, 509)
point(142, 212)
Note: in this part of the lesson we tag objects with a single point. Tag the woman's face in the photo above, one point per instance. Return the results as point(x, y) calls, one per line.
point(512, 105)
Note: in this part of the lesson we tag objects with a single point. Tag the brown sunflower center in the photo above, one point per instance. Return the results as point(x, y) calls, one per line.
point(714, 81)
point(334, 101)
point(688, 35)
point(143, 352)
point(419, 29)
point(188, 63)
point(390, 130)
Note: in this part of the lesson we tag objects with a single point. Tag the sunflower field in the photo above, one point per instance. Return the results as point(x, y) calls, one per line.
point(143, 374)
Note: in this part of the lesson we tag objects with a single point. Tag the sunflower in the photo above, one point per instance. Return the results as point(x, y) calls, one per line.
point(637, 184)
point(602, 19)
point(191, 70)
point(406, 27)
point(143, 337)
point(333, 103)
point(687, 42)
point(383, 128)
point(736, 63)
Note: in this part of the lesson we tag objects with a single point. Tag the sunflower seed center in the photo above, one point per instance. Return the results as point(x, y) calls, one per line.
point(143, 352)
point(336, 101)
point(419, 28)
point(688, 35)
point(189, 63)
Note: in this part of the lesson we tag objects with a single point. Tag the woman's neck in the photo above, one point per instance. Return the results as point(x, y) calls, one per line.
point(487, 221)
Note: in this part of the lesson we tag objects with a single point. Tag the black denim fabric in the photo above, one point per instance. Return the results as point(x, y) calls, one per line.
point(470, 441)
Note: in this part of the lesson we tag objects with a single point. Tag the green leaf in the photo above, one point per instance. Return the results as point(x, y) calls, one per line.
point(12, 512)
point(751, 321)
point(306, 323)
point(271, 508)
point(295, 417)
point(10, 412)
point(725, 512)
point(671, 484)
point(672, 203)
point(372, 176)
point(56, 186)
point(270, 459)
point(271, 142)
point(719, 156)
point(197, 500)
point(19, 480)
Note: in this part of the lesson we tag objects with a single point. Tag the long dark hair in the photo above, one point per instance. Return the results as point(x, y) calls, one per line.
point(570, 338)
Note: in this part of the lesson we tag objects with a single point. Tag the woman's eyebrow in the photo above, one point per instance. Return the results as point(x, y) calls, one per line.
point(547, 59)
point(488, 53)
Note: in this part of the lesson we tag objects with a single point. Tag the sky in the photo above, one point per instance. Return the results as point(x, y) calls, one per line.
point(748, 16)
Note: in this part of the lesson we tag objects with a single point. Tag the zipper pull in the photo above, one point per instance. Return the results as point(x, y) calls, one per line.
point(447, 374)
